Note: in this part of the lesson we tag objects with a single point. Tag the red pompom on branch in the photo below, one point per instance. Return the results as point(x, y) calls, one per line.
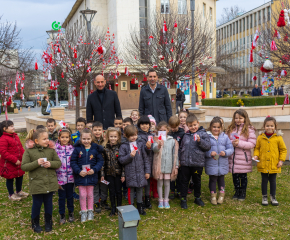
point(281, 21)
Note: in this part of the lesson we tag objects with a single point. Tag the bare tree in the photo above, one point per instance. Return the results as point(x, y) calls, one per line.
point(169, 45)
point(229, 13)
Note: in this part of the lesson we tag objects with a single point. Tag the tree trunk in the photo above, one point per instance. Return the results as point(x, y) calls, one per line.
point(173, 103)
point(78, 104)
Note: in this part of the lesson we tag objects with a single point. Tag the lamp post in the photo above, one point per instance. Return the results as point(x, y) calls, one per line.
point(53, 35)
point(88, 15)
point(193, 98)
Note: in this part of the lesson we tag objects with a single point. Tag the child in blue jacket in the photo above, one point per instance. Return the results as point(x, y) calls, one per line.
point(80, 125)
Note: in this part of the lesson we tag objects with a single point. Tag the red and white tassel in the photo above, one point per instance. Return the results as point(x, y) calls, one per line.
point(254, 78)
point(273, 46)
point(164, 27)
point(283, 73)
point(251, 59)
point(36, 65)
point(255, 40)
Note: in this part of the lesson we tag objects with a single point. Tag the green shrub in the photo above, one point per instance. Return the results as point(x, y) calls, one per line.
point(10, 108)
point(248, 101)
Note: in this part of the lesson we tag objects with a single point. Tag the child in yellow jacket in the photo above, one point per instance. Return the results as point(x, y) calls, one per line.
point(271, 152)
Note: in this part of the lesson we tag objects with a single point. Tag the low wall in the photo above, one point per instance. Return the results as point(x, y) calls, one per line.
point(261, 111)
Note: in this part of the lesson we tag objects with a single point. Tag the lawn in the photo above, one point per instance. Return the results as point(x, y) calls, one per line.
point(232, 220)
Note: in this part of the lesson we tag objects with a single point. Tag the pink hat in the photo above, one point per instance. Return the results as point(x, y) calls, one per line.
point(152, 119)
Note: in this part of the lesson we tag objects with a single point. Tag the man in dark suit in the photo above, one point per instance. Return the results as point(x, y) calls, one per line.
point(154, 99)
point(103, 105)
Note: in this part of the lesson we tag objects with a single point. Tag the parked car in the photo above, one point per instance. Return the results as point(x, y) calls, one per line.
point(18, 103)
point(29, 104)
point(63, 104)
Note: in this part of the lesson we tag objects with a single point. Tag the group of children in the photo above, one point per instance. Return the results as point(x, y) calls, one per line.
point(135, 155)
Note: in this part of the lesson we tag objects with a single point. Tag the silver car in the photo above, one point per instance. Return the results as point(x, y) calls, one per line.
point(63, 104)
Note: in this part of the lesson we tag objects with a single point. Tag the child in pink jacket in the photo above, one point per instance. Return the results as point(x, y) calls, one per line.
point(242, 135)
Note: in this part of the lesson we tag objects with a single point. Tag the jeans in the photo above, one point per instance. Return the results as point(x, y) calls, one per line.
point(267, 177)
point(240, 180)
point(104, 192)
point(115, 187)
point(186, 173)
point(66, 193)
point(216, 179)
point(180, 105)
point(37, 200)
point(18, 183)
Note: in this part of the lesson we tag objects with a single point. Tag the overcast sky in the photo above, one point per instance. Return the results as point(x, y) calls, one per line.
point(34, 17)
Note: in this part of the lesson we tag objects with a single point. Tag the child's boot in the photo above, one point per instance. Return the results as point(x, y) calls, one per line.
point(183, 203)
point(90, 215)
point(147, 202)
point(113, 208)
point(274, 201)
point(35, 225)
point(213, 198)
point(62, 219)
point(84, 216)
point(237, 193)
point(141, 209)
point(71, 217)
point(48, 222)
point(97, 207)
point(221, 197)
point(265, 200)
point(242, 195)
point(160, 204)
point(199, 202)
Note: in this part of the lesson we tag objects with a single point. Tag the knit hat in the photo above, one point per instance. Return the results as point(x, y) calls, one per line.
point(152, 119)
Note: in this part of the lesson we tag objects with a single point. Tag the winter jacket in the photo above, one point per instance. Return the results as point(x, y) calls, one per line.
point(221, 166)
point(238, 162)
point(165, 158)
point(192, 153)
point(256, 92)
point(270, 151)
point(135, 167)
point(75, 137)
point(103, 111)
point(11, 150)
point(65, 172)
point(44, 104)
point(53, 136)
point(41, 180)
point(144, 137)
point(178, 136)
point(156, 104)
point(112, 166)
point(100, 141)
point(80, 157)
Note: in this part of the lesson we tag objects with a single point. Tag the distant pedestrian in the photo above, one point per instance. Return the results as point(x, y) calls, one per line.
point(202, 94)
point(44, 104)
point(179, 96)
point(256, 91)
point(280, 91)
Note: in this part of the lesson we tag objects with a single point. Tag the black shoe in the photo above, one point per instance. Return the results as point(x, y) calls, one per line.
point(113, 206)
point(237, 193)
point(141, 209)
point(242, 195)
point(71, 217)
point(113, 212)
point(48, 222)
point(147, 202)
point(97, 207)
point(105, 205)
point(199, 202)
point(172, 195)
point(183, 203)
point(35, 225)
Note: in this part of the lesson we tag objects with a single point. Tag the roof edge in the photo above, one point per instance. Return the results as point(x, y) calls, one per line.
point(72, 12)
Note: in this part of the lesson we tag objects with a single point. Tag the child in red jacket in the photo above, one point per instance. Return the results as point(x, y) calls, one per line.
point(11, 152)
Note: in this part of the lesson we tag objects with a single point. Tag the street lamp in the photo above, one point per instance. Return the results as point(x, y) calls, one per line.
point(88, 15)
point(193, 98)
point(53, 35)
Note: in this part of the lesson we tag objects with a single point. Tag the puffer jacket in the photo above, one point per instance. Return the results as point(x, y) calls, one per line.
point(178, 135)
point(81, 157)
point(165, 158)
point(192, 153)
point(65, 172)
point(11, 150)
point(75, 137)
point(144, 136)
point(112, 166)
point(135, 167)
point(238, 162)
point(270, 151)
point(221, 166)
point(53, 136)
point(41, 180)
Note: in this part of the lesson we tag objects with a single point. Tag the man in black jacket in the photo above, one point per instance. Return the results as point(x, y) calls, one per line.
point(154, 99)
point(103, 105)
point(256, 91)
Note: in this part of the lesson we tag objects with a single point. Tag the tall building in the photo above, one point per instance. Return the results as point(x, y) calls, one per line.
point(237, 35)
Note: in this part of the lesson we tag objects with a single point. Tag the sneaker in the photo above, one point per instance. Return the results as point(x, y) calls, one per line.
point(242, 195)
point(90, 215)
point(97, 207)
point(237, 193)
point(274, 202)
point(84, 216)
point(213, 200)
point(172, 195)
point(105, 205)
point(265, 200)
point(199, 202)
point(161, 204)
point(22, 194)
point(71, 217)
point(14, 197)
point(166, 204)
point(221, 197)
point(183, 203)
point(62, 219)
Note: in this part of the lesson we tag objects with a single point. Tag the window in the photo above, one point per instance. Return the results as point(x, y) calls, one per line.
point(244, 25)
point(210, 14)
point(259, 17)
point(234, 32)
point(264, 15)
point(251, 20)
point(165, 6)
point(133, 86)
point(240, 26)
point(204, 9)
point(182, 7)
point(269, 13)
point(255, 19)
point(81, 22)
point(247, 23)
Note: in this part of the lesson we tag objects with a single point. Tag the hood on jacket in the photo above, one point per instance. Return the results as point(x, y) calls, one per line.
point(30, 144)
point(279, 133)
point(211, 135)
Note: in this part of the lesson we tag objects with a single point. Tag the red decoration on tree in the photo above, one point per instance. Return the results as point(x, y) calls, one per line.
point(180, 61)
point(254, 78)
point(75, 54)
point(62, 75)
point(175, 24)
point(116, 84)
point(175, 82)
point(281, 21)
point(251, 56)
point(284, 73)
point(165, 27)
point(110, 88)
point(170, 70)
point(286, 38)
point(144, 78)
point(23, 77)
point(286, 100)
point(36, 65)
point(89, 69)
point(133, 81)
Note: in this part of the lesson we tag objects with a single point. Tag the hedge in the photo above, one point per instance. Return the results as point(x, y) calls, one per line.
point(10, 108)
point(248, 101)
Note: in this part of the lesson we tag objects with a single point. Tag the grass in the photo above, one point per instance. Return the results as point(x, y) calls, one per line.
point(232, 220)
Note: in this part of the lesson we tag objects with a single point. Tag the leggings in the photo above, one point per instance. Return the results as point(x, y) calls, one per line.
point(166, 183)
point(216, 179)
point(131, 193)
point(267, 177)
point(86, 193)
point(147, 188)
point(240, 180)
point(18, 183)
